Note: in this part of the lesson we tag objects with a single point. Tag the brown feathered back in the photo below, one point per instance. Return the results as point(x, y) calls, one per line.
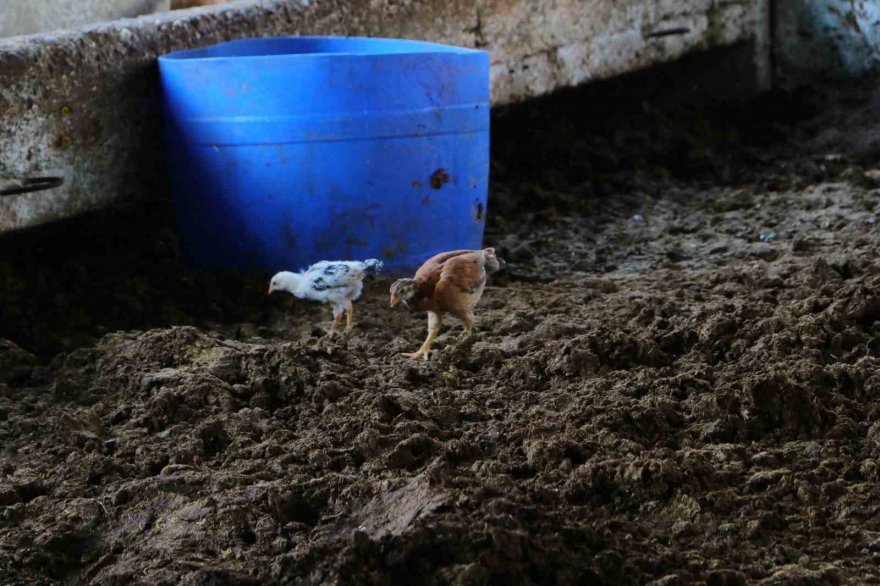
point(431, 266)
point(453, 281)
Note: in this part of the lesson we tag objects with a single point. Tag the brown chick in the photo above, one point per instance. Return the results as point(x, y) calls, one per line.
point(450, 282)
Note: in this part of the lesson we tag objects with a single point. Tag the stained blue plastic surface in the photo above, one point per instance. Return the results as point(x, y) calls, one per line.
point(287, 151)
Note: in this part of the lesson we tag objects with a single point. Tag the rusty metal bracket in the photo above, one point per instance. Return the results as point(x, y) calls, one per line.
point(32, 184)
point(669, 32)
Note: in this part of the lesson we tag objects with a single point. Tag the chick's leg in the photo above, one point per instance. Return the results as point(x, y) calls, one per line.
point(349, 317)
point(337, 316)
point(435, 322)
point(468, 321)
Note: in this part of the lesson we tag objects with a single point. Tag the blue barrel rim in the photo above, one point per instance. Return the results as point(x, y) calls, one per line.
point(202, 54)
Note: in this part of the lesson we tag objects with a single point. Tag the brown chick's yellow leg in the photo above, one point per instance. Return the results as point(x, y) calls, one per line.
point(468, 321)
point(349, 318)
point(435, 322)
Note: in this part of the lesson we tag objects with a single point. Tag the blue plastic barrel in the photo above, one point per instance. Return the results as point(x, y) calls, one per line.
point(287, 151)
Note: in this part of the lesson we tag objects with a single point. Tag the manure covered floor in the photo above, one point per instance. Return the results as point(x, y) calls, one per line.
point(674, 382)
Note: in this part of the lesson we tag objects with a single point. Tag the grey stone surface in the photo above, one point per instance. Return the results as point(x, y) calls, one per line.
point(826, 39)
point(25, 17)
point(83, 104)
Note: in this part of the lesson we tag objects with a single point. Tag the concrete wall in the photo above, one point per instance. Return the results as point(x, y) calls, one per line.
point(83, 105)
point(25, 17)
point(825, 38)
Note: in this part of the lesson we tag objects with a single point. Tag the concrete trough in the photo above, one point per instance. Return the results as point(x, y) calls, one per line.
point(79, 109)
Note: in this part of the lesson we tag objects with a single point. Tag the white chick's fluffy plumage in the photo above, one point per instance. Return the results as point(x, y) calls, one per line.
point(336, 283)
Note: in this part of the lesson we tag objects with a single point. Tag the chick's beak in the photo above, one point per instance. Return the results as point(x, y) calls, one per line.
point(394, 299)
point(271, 290)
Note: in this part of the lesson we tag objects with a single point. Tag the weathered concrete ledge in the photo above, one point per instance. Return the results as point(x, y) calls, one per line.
point(83, 105)
point(24, 17)
point(822, 39)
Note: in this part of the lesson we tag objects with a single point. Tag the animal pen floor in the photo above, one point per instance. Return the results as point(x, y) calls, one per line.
point(676, 380)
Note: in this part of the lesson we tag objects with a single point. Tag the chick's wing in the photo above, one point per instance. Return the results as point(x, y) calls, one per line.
point(461, 279)
point(430, 273)
point(430, 270)
point(333, 275)
point(465, 271)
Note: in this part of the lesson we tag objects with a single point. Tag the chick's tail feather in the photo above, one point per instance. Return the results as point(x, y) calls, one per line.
point(373, 265)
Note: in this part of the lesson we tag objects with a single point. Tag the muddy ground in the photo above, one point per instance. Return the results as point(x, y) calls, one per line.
point(675, 381)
